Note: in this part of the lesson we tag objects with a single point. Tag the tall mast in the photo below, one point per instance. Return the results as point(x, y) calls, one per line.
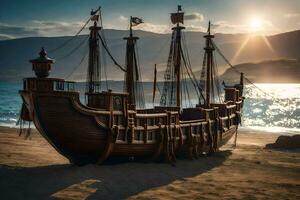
point(177, 59)
point(93, 77)
point(132, 73)
point(209, 64)
point(171, 95)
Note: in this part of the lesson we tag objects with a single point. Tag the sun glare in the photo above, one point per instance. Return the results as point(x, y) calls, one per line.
point(255, 24)
point(256, 30)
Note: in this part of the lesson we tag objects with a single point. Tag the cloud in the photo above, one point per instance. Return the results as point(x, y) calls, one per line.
point(163, 29)
point(56, 28)
point(40, 28)
point(227, 27)
point(291, 15)
point(194, 28)
point(5, 37)
point(156, 28)
point(123, 18)
point(194, 16)
point(13, 31)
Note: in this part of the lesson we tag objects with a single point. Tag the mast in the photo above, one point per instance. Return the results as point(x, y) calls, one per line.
point(177, 62)
point(93, 75)
point(173, 71)
point(209, 64)
point(132, 72)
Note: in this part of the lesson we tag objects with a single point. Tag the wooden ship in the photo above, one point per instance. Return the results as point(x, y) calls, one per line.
point(116, 124)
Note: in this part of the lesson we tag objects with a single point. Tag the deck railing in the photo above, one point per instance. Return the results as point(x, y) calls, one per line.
point(47, 85)
point(64, 86)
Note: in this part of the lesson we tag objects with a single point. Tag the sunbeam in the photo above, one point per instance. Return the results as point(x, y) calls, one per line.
point(265, 39)
point(243, 45)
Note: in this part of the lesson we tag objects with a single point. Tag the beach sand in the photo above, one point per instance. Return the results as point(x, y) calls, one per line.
point(32, 169)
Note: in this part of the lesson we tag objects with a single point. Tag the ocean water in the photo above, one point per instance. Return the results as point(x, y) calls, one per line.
point(276, 111)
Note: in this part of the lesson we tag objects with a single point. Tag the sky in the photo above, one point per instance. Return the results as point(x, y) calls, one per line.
point(29, 18)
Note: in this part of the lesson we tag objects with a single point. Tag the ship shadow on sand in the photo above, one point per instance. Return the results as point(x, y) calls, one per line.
point(109, 181)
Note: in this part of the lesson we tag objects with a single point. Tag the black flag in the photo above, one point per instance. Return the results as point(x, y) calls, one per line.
point(179, 8)
point(136, 21)
point(94, 12)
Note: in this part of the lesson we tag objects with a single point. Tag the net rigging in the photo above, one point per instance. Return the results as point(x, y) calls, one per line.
point(178, 71)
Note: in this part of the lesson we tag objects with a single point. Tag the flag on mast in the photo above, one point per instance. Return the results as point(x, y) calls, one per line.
point(136, 21)
point(93, 12)
point(179, 8)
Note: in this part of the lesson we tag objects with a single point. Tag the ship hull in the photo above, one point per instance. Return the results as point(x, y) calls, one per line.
point(87, 135)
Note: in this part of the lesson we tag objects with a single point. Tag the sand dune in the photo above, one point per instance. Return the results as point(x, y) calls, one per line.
point(31, 169)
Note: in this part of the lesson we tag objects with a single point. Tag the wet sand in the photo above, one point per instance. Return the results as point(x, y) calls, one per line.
point(32, 169)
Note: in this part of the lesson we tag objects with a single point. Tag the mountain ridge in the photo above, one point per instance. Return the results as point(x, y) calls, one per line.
point(152, 48)
point(268, 71)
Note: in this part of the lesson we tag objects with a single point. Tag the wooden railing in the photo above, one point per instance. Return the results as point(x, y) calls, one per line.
point(47, 85)
point(64, 86)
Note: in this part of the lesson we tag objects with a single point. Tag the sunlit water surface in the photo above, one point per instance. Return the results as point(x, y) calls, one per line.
point(277, 111)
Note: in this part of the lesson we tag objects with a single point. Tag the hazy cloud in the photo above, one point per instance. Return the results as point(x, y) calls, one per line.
point(13, 31)
point(194, 16)
point(195, 28)
point(227, 27)
point(39, 28)
point(123, 18)
point(291, 15)
point(57, 27)
point(5, 37)
point(156, 28)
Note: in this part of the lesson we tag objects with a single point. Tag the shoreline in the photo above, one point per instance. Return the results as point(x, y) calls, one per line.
point(243, 129)
point(32, 169)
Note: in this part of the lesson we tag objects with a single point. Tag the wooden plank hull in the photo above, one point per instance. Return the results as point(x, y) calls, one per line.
point(84, 135)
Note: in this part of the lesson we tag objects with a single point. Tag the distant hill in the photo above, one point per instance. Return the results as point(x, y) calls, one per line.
point(272, 71)
point(152, 48)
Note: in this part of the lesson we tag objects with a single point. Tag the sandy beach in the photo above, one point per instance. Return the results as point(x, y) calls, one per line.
point(32, 169)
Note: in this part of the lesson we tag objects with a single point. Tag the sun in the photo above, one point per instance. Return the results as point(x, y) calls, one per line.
point(255, 24)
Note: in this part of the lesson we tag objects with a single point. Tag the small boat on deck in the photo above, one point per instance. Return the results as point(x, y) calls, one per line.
point(116, 124)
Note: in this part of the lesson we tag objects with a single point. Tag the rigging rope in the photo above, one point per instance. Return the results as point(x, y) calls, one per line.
point(139, 83)
point(104, 66)
point(185, 78)
point(183, 90)
point(190, 72)
point(217, 81)
point(249, 81)
point(168, 78)
point(77, 67)
point(230, 65)
point(69, 40)
point(193, 78)
point(109, 54)
point(103, 54)
point(74, 50)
